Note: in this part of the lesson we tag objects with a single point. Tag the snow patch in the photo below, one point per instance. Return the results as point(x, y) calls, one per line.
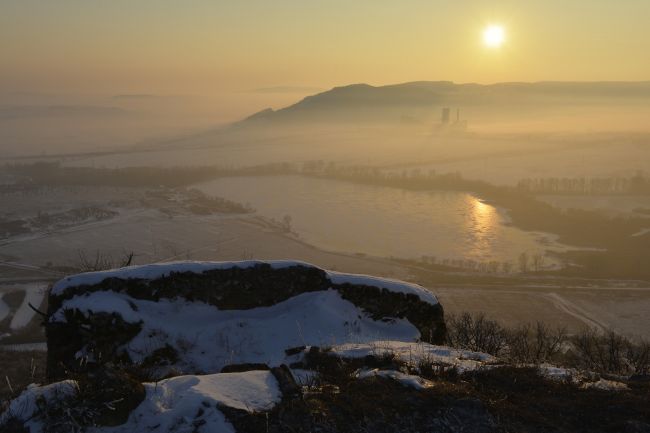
point(185, 403)
point(34, 294)
point(408, 380)
point(179, 404)
point(384, 283)
point(25, 406)
point(415, 354)
point(207, 338)
point(606, 385)
point(556, 373)
point(159, 270)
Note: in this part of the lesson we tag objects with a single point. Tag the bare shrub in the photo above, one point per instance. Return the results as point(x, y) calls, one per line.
point(101, 261)
point(476, 333)
point(536, 343)
point(609, 353)
point(286, 224)
point(638, 355)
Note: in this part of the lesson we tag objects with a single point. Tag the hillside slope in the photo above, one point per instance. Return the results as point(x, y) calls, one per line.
point(363, 102)
point(285, 346)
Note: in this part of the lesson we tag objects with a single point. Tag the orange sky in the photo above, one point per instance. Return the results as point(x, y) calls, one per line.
point(208, 47)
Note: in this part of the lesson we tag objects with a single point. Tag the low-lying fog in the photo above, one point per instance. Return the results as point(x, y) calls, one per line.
point(380, 180)
point(33, 124)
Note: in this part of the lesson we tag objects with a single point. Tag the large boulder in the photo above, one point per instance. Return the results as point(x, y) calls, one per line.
point(197, 318)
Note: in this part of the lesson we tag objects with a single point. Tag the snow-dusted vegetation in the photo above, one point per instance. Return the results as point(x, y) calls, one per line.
point(277, 346)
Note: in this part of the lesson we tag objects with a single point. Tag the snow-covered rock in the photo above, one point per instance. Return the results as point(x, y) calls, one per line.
point(161, 270)
point(196, 318)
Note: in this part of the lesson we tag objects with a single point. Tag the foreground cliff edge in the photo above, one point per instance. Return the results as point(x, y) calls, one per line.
point(285, 346)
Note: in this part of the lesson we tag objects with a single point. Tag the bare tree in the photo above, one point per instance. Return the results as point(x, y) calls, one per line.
point(493, 266)
point(286, 223)
point(523, 262)
point(538, 262)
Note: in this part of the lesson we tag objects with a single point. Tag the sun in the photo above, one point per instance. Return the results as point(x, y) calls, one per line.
point(494, 36)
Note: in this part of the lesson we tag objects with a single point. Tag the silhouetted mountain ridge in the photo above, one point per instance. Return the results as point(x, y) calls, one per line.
point(358, 101)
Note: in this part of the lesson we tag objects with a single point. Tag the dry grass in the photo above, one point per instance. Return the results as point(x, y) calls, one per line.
point(19, 369)
point(505, 399)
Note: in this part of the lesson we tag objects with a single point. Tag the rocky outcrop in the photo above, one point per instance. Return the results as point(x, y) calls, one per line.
point(94, 318)
point(381, 303)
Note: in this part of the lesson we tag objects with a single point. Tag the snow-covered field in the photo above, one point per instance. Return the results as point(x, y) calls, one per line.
point(34, 294)
point(156, 237)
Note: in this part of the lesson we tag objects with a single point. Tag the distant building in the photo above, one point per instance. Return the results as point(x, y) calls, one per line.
point(446, 112)
point(447, 126)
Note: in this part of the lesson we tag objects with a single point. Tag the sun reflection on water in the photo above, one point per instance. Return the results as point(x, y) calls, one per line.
point(483, 224)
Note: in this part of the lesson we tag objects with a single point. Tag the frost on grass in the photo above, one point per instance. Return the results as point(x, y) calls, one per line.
point(415, 354)
point(26, 406)
point(408, 380)
point(606, 385)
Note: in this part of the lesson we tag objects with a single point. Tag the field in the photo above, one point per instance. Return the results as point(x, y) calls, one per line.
point(160, 226)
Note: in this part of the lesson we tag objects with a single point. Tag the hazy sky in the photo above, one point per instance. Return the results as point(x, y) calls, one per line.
point(211, 46)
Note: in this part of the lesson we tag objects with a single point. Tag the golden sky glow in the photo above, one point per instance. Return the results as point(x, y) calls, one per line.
point(200, 46)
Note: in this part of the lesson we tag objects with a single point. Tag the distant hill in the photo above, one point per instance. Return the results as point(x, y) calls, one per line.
point(365, 102)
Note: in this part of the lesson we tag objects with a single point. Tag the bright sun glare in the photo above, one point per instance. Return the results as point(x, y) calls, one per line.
point(494, 36)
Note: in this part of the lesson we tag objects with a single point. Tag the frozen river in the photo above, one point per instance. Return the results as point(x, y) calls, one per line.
point(381, 221)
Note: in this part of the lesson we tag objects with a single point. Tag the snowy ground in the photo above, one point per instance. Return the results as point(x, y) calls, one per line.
point(20, 318)
point(157, 237)
point(207, 339)
point(415, 354)
point(170, 405)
